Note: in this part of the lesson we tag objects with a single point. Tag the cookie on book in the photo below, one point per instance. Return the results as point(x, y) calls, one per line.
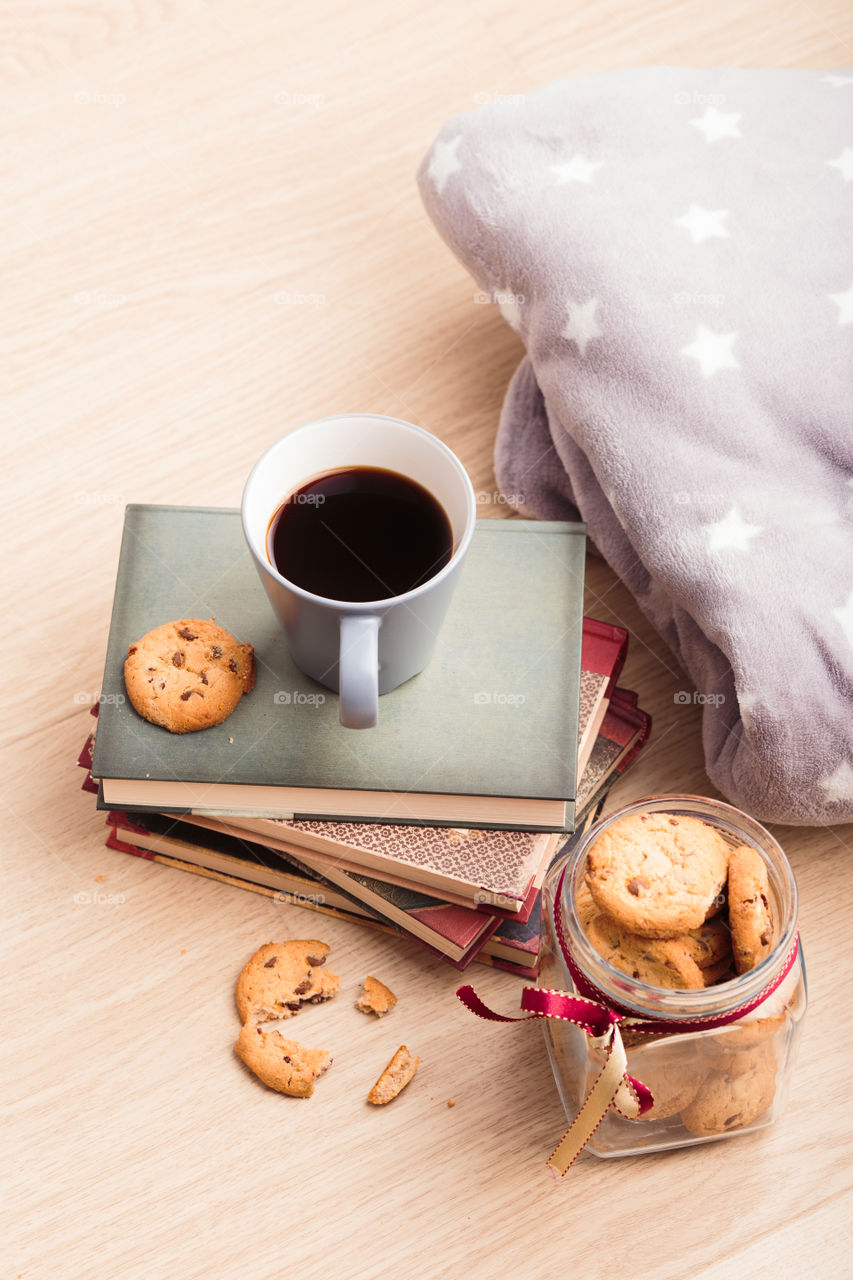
point(395, 1077)
point(281, 977)
point(281, 1064)
point(188, 675)
point(658, 874)
point(750, 912)
point(375, 998)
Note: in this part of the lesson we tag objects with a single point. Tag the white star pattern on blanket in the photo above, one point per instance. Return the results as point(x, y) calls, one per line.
point(732, 533)
point(747, 703)
point(578, 169)
point(844, 302)
point(511, 312)
point(444, 161)
point(717, 124)
point(837, 82)
point(712, 350)
point(582, 327)
point(838, 785)
point(844, 164)
point(844, 618)
point(703, 223)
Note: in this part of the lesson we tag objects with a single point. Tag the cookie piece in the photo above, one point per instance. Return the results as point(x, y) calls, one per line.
point(659, 962)
point(656, 874)
point(726, 1102)
point(375, 998)
point(395, 1077)
point(281, 1064)
point(674, 1073)
point(188, 675)
point(281, 977)
point(750, 912)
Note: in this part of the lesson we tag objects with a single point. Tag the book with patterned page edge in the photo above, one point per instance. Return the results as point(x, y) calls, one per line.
point(457, 892)
point(624, 731)
point(445, 929)
point(603, 651)
point(512, 946)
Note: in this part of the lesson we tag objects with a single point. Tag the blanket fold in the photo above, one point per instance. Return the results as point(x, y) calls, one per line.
point(673, 247)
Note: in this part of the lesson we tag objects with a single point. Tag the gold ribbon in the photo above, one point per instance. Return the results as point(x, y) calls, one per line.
point(611, 1089)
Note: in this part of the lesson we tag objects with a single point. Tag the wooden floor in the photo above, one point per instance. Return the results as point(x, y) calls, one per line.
point(212, 234)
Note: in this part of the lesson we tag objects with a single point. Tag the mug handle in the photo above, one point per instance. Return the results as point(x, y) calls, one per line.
point(358, 670)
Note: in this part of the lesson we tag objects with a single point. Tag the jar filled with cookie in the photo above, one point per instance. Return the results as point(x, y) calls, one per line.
point(672, 986)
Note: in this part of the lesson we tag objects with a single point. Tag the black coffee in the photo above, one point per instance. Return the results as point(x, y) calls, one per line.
point(360, 533)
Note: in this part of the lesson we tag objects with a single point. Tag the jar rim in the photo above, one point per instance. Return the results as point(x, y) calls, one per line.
point(678, 1003)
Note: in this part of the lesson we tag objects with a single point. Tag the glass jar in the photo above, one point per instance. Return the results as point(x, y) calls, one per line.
point(717, 1060)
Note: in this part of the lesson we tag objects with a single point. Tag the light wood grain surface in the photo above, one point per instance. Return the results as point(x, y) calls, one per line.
point(212, 234)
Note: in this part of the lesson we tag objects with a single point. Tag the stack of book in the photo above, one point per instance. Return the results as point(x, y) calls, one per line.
point(438, 825)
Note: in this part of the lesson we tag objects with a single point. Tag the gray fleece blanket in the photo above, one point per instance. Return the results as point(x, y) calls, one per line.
point(675, 250)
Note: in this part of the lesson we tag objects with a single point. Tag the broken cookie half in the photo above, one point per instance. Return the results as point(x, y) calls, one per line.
point(281, 1064)
point(283, 976)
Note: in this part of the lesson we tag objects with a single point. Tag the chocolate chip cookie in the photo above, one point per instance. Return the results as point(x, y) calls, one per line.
point(726, 1102)
point(188, 675)
point(673, 1071)
point(375, 998)
point(659, 962)
point(711, 944)
point(750, 910)
point(658, 874)
point(742, 1045)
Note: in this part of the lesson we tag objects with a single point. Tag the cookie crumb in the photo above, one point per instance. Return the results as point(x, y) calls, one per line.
point(394, 1078)
point(375, 998)
point(100, 879)
point(183, 951)
point(451, 1102)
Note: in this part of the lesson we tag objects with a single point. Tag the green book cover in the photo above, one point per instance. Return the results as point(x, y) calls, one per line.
point(495, 714)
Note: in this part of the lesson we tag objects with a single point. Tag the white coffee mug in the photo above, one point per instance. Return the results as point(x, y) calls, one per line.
point(359, 649)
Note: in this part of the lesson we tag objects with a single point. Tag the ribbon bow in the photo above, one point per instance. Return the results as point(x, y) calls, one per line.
point(612, 1088)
